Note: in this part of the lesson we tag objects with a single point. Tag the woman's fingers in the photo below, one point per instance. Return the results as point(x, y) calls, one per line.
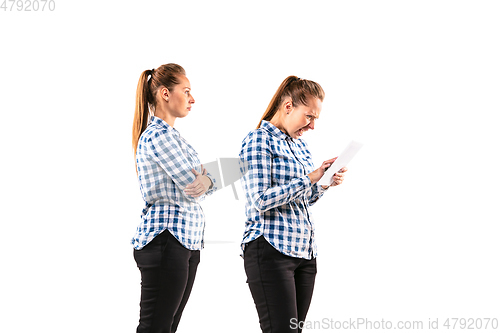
point(324, 167)
point(196, 173)
point(196, 188)
point(338, 178)
point(326, 164)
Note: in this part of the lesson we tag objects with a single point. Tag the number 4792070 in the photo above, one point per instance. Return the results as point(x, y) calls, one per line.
point(28, 5)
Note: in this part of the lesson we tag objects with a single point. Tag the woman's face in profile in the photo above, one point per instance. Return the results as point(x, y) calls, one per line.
point(302, 117)
point(180, 99)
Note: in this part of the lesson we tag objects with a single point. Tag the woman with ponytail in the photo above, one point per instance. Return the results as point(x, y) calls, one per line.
point(280, 184)
point(172, 180)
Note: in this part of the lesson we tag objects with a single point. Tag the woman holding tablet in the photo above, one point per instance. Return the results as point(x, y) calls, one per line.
point(168, 240)
point(278, 245)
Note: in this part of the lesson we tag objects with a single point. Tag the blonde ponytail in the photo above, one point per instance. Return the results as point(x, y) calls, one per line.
point(141, 115)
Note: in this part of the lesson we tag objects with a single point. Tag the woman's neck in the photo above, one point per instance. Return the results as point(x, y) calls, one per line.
point(277, 121)
point(163, 114)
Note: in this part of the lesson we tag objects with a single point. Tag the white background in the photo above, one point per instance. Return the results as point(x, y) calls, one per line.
point(412, 234)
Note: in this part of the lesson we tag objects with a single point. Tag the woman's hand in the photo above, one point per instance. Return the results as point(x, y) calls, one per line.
point(316, 175)
point(200, 185)
point(337, 178)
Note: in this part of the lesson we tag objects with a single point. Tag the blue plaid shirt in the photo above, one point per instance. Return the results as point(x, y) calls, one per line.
point(164, 162)
point(278, 191)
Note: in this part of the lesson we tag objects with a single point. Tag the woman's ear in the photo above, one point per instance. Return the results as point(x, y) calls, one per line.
point(164, 93)
point(288, 106)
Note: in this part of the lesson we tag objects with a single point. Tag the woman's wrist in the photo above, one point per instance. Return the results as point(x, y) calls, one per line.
point(313, 177)
point(208, 182)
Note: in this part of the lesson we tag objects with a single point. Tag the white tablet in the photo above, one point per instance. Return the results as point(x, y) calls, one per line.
point(345, 157)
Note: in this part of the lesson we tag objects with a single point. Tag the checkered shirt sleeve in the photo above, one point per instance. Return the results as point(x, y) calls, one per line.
point(278, 191)
point(164, 162)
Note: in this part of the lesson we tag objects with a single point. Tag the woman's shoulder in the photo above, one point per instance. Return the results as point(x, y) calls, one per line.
point(258, 135)
point(156, 132)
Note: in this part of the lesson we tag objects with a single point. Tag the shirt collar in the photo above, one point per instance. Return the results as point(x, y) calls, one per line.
point(160, 122)
point(274, 130)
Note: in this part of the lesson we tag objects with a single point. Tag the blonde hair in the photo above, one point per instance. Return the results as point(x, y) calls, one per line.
point(298, 90)
point(145, 98)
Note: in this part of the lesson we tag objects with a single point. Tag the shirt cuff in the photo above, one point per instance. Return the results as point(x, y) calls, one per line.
point(212, 187)
point(321, 189)
point(307, 182)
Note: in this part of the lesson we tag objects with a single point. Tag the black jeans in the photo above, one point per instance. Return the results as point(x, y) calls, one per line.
point(281, 286)
point(167, 270)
